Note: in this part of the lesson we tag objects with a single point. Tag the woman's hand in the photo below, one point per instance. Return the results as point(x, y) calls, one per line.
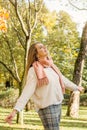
point(10, 117)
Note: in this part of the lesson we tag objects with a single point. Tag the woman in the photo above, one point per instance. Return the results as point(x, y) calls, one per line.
point(45, 85)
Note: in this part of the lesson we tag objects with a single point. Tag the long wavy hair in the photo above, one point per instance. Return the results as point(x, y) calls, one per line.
point(32, 56)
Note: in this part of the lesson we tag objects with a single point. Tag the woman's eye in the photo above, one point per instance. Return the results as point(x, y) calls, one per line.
point(41, 47)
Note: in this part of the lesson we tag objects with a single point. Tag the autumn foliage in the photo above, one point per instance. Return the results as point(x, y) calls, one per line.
point(4, 15)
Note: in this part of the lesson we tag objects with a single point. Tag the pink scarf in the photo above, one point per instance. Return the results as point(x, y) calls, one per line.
point(41, 76)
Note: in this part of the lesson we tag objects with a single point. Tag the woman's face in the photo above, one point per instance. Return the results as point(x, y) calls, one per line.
point(41, 50)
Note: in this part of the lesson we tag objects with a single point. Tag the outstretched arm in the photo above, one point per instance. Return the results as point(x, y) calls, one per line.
point(25, 96)
point(70, 85)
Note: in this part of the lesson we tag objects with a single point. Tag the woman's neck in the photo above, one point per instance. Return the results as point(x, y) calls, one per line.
point(43, 58)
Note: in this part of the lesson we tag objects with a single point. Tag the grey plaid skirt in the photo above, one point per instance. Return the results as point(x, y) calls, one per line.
point(50, 117)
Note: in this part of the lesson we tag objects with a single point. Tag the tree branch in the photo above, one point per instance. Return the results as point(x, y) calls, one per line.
point(35, 16)
point(29, 8)
point(41, 5)
point(9, 70)
point(11, 1)
point(18, 33)
point(76, 6)
point(19, 38)
point(13, 59)
point(19, 17)
point(36, 12)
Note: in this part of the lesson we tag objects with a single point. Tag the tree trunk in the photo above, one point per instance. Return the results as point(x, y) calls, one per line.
point(27, 107)
point(73, 107)
point(19, 119)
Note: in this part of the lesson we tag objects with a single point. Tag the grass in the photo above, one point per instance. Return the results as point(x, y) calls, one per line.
point(68, 123)
point(32, 121)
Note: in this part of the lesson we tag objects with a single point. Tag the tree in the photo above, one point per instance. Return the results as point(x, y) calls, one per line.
point(73, 106)
point(26, 13)
point(77, 76)
point(81, 6)
point(63, 43)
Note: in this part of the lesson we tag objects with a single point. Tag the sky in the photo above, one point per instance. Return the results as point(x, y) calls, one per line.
point(78, 16)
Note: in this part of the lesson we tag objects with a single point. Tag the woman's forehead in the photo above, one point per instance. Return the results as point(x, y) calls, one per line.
point(39, 44)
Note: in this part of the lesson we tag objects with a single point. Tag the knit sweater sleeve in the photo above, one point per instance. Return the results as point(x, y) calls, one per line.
point(27, 91)
point(69, 84)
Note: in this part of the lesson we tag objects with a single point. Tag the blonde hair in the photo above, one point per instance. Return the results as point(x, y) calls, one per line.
point(32, 56)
